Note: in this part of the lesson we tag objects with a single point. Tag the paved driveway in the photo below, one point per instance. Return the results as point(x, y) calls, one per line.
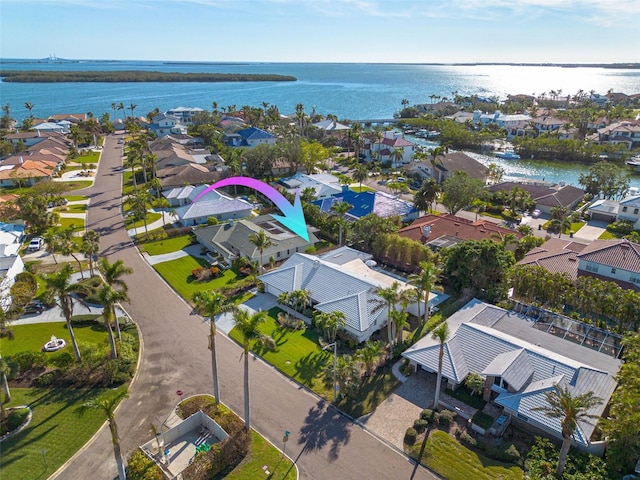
point(591, 231)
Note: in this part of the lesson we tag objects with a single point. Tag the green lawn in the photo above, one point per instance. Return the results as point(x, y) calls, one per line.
point(297, 353)
point(453, 461)
point(364, 188)
point(75, 198)
point(607, 235)
point(76, 208)
point(76, 223)
point(166, 245)
point(32, 337)
point(88, 157)
point(177, 273)
point(263, 453)
point(77, 185)
point(372, 392)
point(151, 217)
point(56, 427)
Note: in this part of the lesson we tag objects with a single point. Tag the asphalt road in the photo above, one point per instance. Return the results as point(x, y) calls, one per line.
point(324, 444)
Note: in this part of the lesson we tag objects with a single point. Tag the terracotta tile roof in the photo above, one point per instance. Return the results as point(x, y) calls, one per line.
point(397, 142)
point(453, 226)
point(621, 254)
point(556, 256)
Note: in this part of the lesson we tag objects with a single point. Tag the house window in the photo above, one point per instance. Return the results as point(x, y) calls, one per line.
point(635, 211)
point(592, 268)
point(523, 417)
point(635, 279)
point(624, 209)
point(613, 270)
point(278, 255)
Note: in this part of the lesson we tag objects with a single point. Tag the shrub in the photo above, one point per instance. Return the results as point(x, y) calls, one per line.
point(445, 417)
point(47, 379)
point(140, 467)
point(419, 425)
point(467, 439)
point(215, 271)
point(22, 362)
point(14, 420)
point(482, 419)
point(623, 227)
point(427, 414)
point(202, 274)
point(410, 436)
point(310, 250)
point(212, 221)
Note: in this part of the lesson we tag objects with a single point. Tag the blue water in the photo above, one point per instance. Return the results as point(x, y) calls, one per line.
point(350, 91)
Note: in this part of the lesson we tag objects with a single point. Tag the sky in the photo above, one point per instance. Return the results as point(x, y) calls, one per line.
point(384, 31)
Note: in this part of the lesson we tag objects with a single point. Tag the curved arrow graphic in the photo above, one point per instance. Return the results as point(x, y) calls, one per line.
point(293, 217)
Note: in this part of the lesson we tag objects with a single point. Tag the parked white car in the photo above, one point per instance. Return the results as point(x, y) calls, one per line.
point(35, 245)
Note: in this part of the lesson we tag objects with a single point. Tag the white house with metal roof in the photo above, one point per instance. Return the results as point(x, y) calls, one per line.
point(212, 204)
point(519, 363)
point(340, 280)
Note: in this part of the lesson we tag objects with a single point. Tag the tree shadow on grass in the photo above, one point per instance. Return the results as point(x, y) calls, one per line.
point(324, 426)
point(308, 367)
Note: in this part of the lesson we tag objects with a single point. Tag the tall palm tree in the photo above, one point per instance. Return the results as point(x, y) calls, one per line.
point(112, 274)
point(360, 174)
point(570, 410)
point(121, 107)
point(29, 106)
point(261, 241)
point(397, 155)
point(91, 246)
point(428, 276)
point(248, 325)
point(440, 333)
point(139, 202)
point(391, 296)
point(400, 319)
point(63, 289)
point(109, 297)
point(132, 107)
point(210, 304)
point(330, 322)
point(340, 209)
point(108, 407)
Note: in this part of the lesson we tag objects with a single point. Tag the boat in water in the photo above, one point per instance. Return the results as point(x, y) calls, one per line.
point(507, 155)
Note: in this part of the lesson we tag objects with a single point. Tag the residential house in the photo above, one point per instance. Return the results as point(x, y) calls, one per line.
point(363, 203)
point(449, 163)
point(11, 237)
point(520, 361)
point(231, 240)
point(547, 124)
point(188, 174)
point(604, 210)
point(329, 126)
point(165, 124)
point(626, 133)
point(31, 138)
point(629, 209)
point(10, 266)
point(612, 260)
point(356, 296)
point(249, 138)
point(185, 115)
point(439, 231)
point(499, 119)
point(392, 141)
point(58, 127)
point(324, 184)
point(212, 204)
point(27, 171)
point(556, 256)
point(545, 196)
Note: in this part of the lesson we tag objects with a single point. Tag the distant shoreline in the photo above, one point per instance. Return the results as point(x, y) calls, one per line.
point(134, 76)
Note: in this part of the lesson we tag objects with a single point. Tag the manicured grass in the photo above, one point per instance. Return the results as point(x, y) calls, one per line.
point(75, 198)
point(151, 217)
point(364, 188)
point(33, 336)
point(77, 185)
point(166, 245)
point(297, 353)
point(464, 395)
point(263, 453)
point(76, 223)
point(177, 273)
point(372, 392)
point(56, 427)
point(88, 157)
point(607, 235)
point(453, 461)
point(76, 208)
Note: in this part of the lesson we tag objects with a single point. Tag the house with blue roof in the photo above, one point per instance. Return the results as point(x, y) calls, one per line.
point(520, 360)
point(382, 204)
point(211, 204)
point(249, 138)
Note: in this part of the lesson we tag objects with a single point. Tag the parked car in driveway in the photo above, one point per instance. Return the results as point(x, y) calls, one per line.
point(33, 308)
point(35, 245)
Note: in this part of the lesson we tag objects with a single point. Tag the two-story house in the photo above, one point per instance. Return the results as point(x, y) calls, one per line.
point(626, 133)
point(165, 124)
point(249, 138)
point(185, 114)
point(629, 209)
point(612, 260)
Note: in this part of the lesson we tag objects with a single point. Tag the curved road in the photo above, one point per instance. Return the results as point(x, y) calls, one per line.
point(324, 444)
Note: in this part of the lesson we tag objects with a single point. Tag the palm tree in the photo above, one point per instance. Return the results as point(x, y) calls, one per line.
point(330, 322)
point(360, 174)
point(4, 370)
point(29, 106)
point(132, 107)
point(90, 246)
point(109, 297)
point(139, 201)
point(112, 274)
point(428, 276)
point(261, 242)
point(391, 296)
point(62, 288)
point(397, 155)
point(400, 319)
point(210, 304)
point(440, 333)
point(340, 209)
point(248, 325)
point(369, 355)
point(108, 407)
point(570, 410)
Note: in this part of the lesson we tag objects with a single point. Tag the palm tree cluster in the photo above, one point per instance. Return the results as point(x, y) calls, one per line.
point(599, 302)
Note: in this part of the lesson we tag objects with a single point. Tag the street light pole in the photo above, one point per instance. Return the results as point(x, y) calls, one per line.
point(335, 371)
